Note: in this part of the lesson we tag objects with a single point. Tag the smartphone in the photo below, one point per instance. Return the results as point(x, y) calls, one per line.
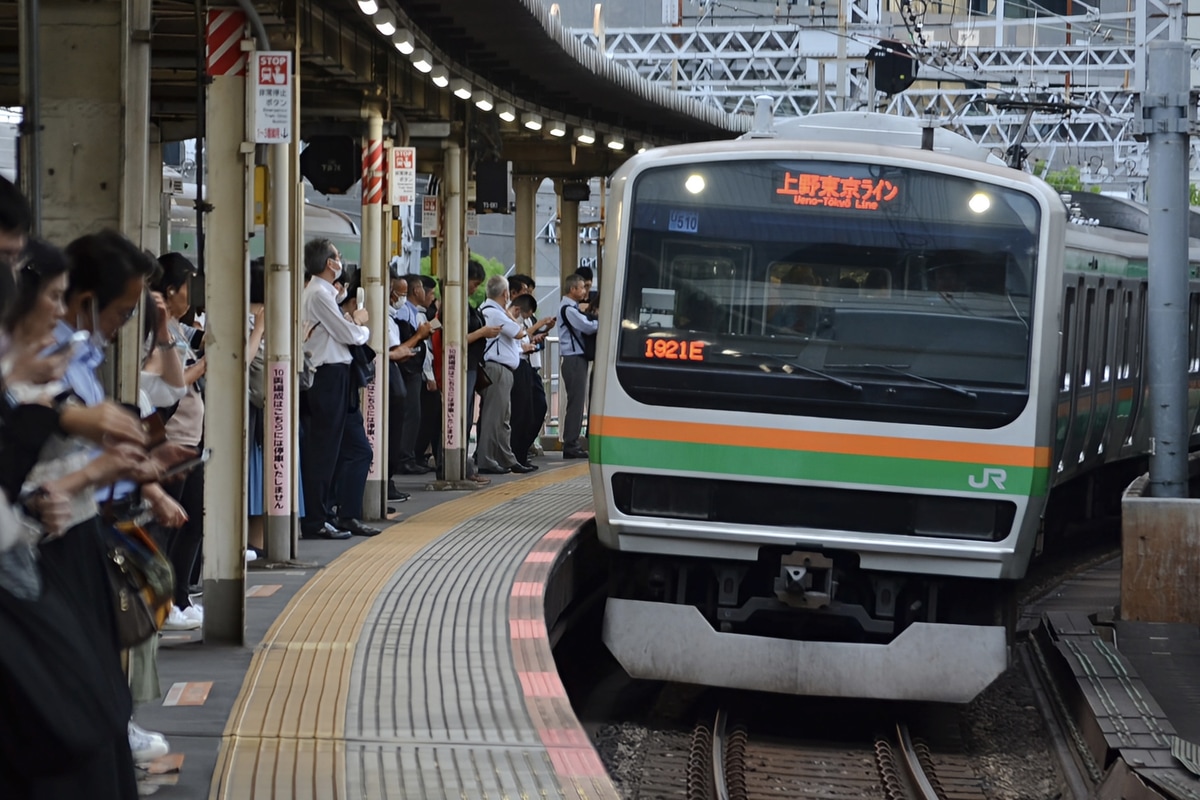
point(360, 297)
point(190, 464)
point(78, 337)
point(435, 324)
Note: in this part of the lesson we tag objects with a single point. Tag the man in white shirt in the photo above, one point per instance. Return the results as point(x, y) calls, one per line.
point(334, 434)
point(493, 451)
point(574, 325)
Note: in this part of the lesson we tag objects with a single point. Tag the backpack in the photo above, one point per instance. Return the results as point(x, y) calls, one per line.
point(585, 341)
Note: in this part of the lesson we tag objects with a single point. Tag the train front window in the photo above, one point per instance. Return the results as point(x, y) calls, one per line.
point(885, 278)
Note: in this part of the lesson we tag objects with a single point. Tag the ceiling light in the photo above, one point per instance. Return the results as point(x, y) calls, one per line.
point(461, 89)
point(422, 60)
point(403, 39)
point(507, 112)
point(483, 100)
point(585, 136)
point(558, 128)
point(369, 7)
point(614, 142)
point(385, 22)
point(641, 147)
point(441, 78)
point(532, 121)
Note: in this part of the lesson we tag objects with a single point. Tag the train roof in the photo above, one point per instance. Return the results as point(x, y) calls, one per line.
point(888, 130)
point(1122, 214)
point(317, 219)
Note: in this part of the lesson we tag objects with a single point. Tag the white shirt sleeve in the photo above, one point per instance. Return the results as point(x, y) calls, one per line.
point(324, 311)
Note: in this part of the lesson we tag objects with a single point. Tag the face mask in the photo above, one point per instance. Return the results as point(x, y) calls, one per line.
point(399, 302)
point(340, 268)
point(97, 340)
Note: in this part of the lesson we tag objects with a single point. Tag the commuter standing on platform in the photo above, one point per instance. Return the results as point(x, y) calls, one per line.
point(334, 428)
point(574, 326)
point(493, 453)
point(414, 329)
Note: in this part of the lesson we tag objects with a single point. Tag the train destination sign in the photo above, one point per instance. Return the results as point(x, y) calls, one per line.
point(835, 191)
point(660, 349)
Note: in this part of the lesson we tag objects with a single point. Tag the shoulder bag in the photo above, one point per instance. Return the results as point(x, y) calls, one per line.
point(141, 580)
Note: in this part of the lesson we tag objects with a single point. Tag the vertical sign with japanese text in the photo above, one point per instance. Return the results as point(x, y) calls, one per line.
point(429, 216)
point(371, 421)
point(277, 443)
point(403, 180)
point(272, 71)
point(472, 222)
point(450, 383)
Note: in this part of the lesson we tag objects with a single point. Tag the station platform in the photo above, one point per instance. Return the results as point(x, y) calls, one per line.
point(1129, 690)
point(412, 664)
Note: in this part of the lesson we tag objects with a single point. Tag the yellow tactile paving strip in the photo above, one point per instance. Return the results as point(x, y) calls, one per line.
point(285, 736)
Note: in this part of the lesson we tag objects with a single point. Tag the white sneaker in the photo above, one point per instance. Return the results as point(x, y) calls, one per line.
point(179, 621)
point(195, 611)
point(146, 745)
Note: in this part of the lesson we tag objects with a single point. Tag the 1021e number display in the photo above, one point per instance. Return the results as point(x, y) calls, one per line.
point(674, 350)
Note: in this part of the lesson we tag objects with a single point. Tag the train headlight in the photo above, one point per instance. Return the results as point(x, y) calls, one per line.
point(979, 202)
point(694, 183)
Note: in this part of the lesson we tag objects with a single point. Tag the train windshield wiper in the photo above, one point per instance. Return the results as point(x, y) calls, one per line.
point(902, 369)
point(789, 365)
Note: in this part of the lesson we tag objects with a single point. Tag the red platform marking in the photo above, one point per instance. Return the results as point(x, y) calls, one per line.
point(263, 590)
point(528, 589)
point(226, 29)
point(576, 762)
point(564, 737)
point(188, 694)
point(527, 629)
point(558, 534)
point(541, 684)
point(540, 557)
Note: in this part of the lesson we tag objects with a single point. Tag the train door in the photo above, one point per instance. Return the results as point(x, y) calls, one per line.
point(1064, 461)
point(1193, 364)
point(1131, 391)
point(1082, 384)
point(1102, 375)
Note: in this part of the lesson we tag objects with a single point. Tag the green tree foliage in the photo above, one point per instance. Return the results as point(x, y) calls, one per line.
point(490, 266)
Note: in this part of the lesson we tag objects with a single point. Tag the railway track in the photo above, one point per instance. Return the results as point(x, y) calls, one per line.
point(725, 763)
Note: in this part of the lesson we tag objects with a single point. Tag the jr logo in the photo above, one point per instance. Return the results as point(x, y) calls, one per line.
point(990, 475)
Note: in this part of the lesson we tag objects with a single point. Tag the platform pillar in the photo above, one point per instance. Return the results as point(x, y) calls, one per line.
point(525, 257)
point(372, 271)
point(568, 235)
point(229, 157)
point(279, 376)
point(454, 317)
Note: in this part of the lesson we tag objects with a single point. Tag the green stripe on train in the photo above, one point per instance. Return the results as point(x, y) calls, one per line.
point(910, 473)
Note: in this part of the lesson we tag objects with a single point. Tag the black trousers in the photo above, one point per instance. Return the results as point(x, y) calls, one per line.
point(522, 411)
point(184, 542)
point(335, 442)
point(410, 428)
point(430, 436)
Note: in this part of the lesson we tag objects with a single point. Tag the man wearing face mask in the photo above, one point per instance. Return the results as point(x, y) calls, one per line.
point(400, 351)
point(334, 434)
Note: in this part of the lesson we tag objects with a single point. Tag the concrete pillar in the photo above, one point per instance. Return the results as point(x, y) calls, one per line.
point(372, 272)
point(454, 316)
point(382, 320)
point(152, 227)
point(568, 235)
point(93, 61)
point(227, 260)
point(280, 374)
point(525, 257)
point(296, 209)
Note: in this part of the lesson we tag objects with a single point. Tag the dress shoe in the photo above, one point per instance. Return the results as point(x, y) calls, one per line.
point(353, 526)
point(493, 471)
point(529, 465)
point(325, 531)
point(395, 495)
point(575, 454)
point(482, 481)
point(521, 469)
point(415, 469)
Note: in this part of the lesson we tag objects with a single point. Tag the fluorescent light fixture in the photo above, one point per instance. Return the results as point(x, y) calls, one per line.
point(404, 42)
point(532, 121)
point(558, 128)
point(422, 60)
point(368, 7)
point(641, 147)
point(506, 112)
point(614, 142)
point(461, 89)
point(385, 22)
point(483, 100)
point(441, 78)
point(585, 136)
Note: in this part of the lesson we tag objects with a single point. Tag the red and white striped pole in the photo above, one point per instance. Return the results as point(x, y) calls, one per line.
point(372, 272)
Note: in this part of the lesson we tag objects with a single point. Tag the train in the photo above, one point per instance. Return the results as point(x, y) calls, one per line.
point(841, 368)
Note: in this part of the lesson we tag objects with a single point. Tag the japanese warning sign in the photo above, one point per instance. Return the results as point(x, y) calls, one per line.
point(272, 71)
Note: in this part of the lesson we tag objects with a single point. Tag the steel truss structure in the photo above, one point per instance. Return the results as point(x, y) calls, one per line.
point(1093, 60)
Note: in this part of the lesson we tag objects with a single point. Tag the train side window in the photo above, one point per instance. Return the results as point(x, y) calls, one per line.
point(1126, 328)
point(1105, 341)
point(1064, 362)
point(1084, 361)
point(1193, 334)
